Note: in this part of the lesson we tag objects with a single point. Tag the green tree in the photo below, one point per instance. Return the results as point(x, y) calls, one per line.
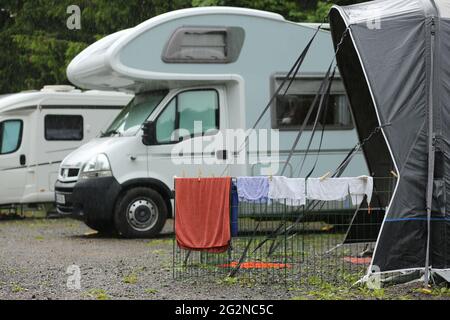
point(36, 45)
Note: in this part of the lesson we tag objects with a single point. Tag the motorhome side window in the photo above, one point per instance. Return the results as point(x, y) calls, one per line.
point(10, 136)
point(204, 45)
point(63, 127)
point(290, 111)
point(190, 113)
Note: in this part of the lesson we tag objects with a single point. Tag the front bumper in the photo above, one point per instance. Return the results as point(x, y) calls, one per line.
point(65, 190)
point(90, 200)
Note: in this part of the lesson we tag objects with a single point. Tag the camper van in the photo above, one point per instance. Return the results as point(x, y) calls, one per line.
point(38, 129)
point(217, 65)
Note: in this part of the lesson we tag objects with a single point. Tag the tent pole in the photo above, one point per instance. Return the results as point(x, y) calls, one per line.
point(431, 156)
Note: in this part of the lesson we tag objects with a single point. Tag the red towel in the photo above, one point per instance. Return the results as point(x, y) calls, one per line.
point(358, 260)
point(257, 265)
point(202, 213)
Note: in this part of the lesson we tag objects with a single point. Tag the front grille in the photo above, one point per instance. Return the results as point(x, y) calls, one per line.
point(68, 174)
point(73, 173)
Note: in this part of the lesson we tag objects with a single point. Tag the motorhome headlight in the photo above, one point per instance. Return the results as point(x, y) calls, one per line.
point(98, 166)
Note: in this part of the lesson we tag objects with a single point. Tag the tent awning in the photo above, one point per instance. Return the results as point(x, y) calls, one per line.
point(395, 66)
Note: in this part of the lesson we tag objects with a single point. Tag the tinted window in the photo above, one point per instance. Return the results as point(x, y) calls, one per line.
point(63, 127)
point(289, 111)
point(10, 136)
point(204, 45)
point(165, 125)
point(186, 111)
point(198, 106)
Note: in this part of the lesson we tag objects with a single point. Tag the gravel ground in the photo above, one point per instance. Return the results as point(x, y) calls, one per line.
point(35, 255)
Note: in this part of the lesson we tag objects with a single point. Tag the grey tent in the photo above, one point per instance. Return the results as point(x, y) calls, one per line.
point(394, 58)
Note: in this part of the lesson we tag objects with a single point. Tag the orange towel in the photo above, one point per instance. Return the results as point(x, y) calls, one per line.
point(202, 213)
point(257, 265)
point(358, 260)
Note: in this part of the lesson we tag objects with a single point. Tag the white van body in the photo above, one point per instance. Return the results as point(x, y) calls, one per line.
point(232, 57)
point(39, 128)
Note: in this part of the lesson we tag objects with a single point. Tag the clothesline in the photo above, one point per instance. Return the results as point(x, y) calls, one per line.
point(297, 190)
point(203, 205)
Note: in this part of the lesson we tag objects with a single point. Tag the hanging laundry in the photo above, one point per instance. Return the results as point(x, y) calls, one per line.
point(289, 191)
point(253, 189)
point(360, 186)
point(203, 213)
point(329, 189)
point(339, 189)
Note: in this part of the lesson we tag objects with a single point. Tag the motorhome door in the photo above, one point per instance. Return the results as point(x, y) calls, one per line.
point(13, 160)
point(188, 136)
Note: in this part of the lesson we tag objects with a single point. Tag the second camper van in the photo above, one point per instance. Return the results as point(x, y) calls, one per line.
point(38, 129)
point(217, 65)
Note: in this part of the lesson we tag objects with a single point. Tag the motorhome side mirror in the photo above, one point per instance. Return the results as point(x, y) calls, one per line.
point(149, 133)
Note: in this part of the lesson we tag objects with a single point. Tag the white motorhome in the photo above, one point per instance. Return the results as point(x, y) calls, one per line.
point(39, 128)
point(218, 65)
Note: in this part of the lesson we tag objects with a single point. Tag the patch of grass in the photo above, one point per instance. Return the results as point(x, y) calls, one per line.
point(372, 293)
point(228, 281)
point(39, 238)
point(299, 298)
point(247, 282)
point(315, 281)
point(131, 278)
point(351, 278)
point(150, 291)
point(329, 292)
point(98, 294)
point(442, 292)
point(16, 288)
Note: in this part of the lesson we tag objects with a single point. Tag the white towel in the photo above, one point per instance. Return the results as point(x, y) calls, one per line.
point(359, 187)
point(329, 189)
point(339, 188)
point(287, 190)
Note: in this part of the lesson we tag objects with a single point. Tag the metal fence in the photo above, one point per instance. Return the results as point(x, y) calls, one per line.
point(281, 243)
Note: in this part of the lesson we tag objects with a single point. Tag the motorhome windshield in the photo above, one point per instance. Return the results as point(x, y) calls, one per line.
point(130, 119)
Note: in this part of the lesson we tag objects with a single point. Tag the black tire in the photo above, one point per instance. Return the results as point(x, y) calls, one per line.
point(140, 205)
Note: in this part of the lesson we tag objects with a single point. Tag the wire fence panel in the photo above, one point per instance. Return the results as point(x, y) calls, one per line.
point(280, 242)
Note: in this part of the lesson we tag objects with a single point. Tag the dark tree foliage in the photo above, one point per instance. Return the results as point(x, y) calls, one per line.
point(36, 45)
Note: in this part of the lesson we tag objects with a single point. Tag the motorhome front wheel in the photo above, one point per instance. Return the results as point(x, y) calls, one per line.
point(140, 213)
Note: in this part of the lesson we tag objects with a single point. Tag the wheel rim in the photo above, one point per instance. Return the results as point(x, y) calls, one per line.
point(142, 214)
